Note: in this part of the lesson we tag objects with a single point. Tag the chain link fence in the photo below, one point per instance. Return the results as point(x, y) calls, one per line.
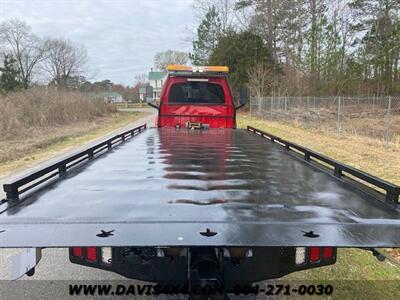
point(375, 117)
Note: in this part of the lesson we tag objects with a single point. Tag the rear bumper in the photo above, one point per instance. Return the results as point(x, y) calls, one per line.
point(264, 263)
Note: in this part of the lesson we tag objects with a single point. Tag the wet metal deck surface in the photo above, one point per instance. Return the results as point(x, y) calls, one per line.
point(166, 186)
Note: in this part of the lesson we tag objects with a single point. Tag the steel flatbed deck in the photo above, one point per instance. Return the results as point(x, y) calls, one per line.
point(216, 187)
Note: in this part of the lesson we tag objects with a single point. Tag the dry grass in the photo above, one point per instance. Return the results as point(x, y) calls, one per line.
point(36, 120)
point(27, 113)
point(17, 154)
point(362, 122)
point(130, 105)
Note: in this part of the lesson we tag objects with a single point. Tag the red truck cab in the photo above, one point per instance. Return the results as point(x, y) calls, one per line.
point(198, 95)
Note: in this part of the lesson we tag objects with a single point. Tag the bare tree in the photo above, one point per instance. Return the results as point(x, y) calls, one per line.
point(28, 50)
point(163, 59)
point(225, 9)
point(141, 79)
point(261, 80)
point(64, 61)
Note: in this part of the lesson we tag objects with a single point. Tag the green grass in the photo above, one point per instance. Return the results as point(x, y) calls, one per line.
point(352, 264)
point(357, 274)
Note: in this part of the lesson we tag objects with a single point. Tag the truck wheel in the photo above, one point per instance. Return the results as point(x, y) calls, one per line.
point(31, 272)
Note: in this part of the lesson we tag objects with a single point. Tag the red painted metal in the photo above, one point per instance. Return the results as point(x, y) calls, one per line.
point(215, 115)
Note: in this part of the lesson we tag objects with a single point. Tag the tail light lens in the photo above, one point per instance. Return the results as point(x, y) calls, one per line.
point(300, 255)
point(314, 254)
point(106, 255)
point(77, 252)
point(91, 254)
point(328, 252)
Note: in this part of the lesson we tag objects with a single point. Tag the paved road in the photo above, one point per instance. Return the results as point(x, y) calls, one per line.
point(55, 264)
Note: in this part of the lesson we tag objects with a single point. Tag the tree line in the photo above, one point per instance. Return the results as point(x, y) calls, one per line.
point(27, 59)
point(302, 47)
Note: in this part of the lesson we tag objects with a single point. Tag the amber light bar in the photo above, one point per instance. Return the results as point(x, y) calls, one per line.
point(197, 69)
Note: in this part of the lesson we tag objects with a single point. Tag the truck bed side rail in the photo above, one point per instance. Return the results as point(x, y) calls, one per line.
point(392, 191)
point(13, 190)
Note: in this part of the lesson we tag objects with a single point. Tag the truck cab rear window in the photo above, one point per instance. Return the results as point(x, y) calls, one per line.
point(196, 92)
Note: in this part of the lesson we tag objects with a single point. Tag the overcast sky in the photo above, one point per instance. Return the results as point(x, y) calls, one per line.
point(121, 36)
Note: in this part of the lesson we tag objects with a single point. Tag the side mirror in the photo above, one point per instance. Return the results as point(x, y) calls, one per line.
point(152, 105)
point(244, 93)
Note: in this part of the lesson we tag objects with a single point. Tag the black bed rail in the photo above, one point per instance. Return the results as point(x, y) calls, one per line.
point(13, 190)
point(392, 190)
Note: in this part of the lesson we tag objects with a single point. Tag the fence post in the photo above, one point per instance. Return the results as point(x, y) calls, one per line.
point(278, 106)
point(272, 105)
point(251, 100)
point(373, 103)
point(285, 103)
point(338, 116)
point(388, 121)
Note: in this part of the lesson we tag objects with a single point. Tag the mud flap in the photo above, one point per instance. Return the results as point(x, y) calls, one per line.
point(25, 262)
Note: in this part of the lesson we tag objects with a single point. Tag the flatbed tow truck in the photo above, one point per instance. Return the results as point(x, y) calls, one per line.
point(197, 201)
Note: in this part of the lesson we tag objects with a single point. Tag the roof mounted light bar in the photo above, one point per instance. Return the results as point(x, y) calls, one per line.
point(197, 69)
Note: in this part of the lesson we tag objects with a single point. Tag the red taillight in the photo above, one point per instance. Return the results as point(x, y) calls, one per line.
point(328, 252)
point(314, 254)
point(91, 253)
point(312, 257)
point(77, 252)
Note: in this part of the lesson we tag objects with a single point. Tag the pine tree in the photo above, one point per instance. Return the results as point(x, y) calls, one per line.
point(240, 52)
point(379, 51)
point(208, 33)
point(9, 75)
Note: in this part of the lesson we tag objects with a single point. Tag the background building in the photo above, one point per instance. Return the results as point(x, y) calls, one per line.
point(146, 93)
point(156, 80)
point(112, 97)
